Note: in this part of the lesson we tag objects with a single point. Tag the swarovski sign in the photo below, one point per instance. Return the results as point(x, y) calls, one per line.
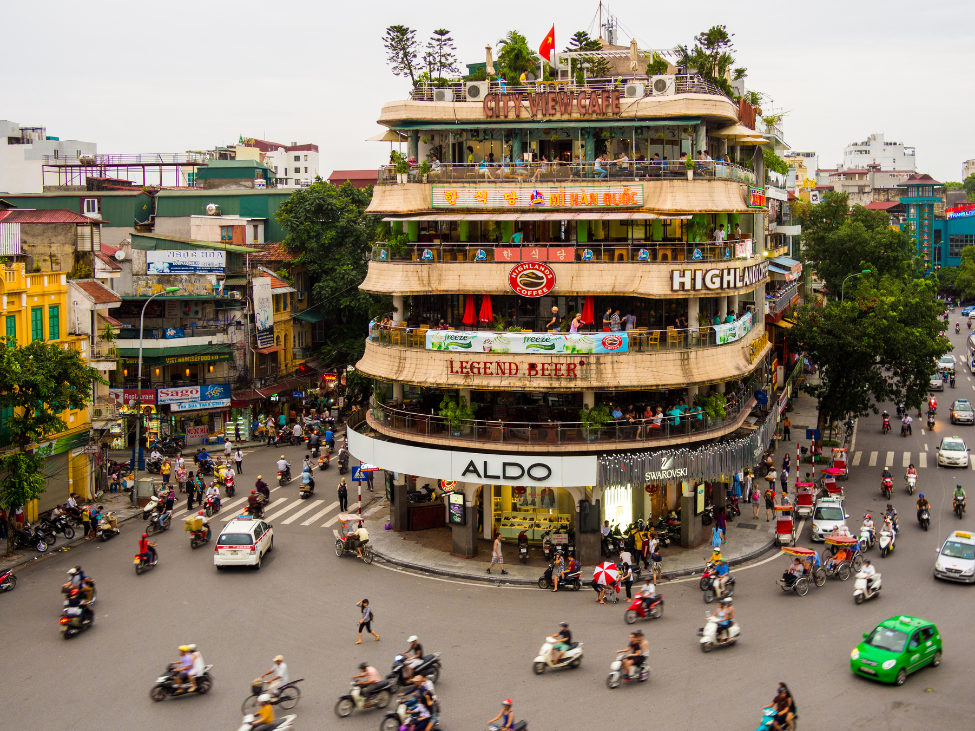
point(667, 471)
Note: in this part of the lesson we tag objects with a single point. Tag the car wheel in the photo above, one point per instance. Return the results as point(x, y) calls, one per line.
point(257, 566)
point(901, 677)
point(271, 544)
point(936, 660)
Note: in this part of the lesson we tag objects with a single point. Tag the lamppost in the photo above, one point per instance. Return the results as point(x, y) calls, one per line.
point(137, 454)
point(855, 274)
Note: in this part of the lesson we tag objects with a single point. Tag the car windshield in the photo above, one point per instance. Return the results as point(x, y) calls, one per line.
point(234, 539)
point(828, 514)
point(953, 549)
point(936, 377)
point(953, 446)
point(963, 406)
point(947, 359)
point(888, 639)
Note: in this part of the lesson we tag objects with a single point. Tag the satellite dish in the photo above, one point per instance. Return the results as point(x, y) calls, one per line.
point(119, 255)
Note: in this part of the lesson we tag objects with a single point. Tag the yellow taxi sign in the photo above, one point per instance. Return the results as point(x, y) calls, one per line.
point(959, 534)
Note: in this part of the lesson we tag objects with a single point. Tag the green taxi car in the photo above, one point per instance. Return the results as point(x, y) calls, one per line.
point(896, 647)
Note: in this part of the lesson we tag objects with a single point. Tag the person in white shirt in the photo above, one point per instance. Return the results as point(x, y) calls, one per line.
point(869, 572)
point(71, 507)
point(868, 525)
point(297, 432)
point(180, 462)
point(239, 459)
point(605, 530)
point(154, 455)
point(198, 666)
point(214, 492)
point(228, 448)
point(279, 675)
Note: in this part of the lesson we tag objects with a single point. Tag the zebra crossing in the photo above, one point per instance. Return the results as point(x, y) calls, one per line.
point(919, 459)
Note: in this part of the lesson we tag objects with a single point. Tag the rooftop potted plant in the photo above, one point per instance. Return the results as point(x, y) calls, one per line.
point(424, 170)
point(593, 419)
point(402, 167)
point(455, 413)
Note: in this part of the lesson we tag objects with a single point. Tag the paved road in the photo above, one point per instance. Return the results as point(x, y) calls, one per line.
point(301, 604)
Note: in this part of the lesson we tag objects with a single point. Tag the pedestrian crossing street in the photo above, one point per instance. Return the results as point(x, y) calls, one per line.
point(904, 459)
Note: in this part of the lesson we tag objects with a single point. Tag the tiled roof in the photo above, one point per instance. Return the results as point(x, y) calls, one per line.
point(109, 250)
point(108, 261)
point(364, 177)
point(97, 291)
point(881, 205)
point(278, 284)
point(920, 179)
point(271, 252)
point(53, 215)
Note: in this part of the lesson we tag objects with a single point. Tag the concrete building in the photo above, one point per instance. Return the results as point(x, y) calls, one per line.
point(967, 168)
point(53, 240)
point(868, 185)
point(920, 201)
point(22, 153)
point(120, 212)
point(293, 166)
point(877, 151)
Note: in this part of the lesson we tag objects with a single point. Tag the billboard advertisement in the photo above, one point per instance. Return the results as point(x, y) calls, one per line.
point(263, 312)
point(186, 261)
point(528, 343)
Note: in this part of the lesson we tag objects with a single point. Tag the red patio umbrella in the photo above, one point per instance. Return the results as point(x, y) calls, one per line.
point(487, 314)
point(469, 310)
point(588, 311)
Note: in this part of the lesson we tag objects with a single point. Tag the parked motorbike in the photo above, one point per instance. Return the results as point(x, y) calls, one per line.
point(523, 546)
point(925, 519)
point(143, 564)
point(423, 494)
point(168, 684)
point(569, 582)
point(8, 580)
point(378, 696)
point(32, 538)
point(571, 658)
point(74, 622)
point(864, 589)
point(59, 524)
point(153, 466)
point(637, 610)
point(707, 517)
point(638, 672)
point(709, 635)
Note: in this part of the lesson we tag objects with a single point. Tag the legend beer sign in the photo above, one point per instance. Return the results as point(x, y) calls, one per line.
point(554, 368)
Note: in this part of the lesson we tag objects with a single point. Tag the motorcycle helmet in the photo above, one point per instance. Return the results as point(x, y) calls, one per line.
point(75, 592)
point(726, 600)
point(264, 698)
point(184, 648)
point(412, 638)
point(920, 496)
point(200, 513)
point(507, 702)
point(563, 624)
point(889, 505)
point(144, 535)
point(363, 665)
point(282, 456)
point(259, 477)
point(191, 648)
point(867, 516)
point(73, 571)
point(957, 487)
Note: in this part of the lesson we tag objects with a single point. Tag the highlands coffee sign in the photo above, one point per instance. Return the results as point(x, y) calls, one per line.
point(686, 280)
point(553, 103)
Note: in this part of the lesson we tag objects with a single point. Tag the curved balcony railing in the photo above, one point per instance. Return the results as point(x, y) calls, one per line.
point(540, 172)
point(683, 84)
point(555, 433)
point(638, 340)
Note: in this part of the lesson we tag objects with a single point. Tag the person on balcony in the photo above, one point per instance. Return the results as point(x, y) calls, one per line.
point(576, 323)
point(483, 169)
point(543, 168)
point(598, 168)
point(575, 169)
point(556, 322)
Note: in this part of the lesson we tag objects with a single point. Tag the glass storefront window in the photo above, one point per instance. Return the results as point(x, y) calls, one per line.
point(535, 510)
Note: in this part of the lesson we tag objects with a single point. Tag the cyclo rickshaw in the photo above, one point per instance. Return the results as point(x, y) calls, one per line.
point(805, 499)
point(842, 556)
point(812, 571)
point(829, 486)
point(785, 525)
point(839, 462)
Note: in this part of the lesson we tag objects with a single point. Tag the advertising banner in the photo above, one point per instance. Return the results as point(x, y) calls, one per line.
point(732, 331)
point(186, 261)
point(528, 343)
point(263, 312)
point(198, 405)
point(123, 396)
point(541, 196)
point(197, 432)
point(186, 394)
point(174, 332)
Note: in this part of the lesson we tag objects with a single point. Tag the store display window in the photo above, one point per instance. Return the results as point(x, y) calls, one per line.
point(535, 510)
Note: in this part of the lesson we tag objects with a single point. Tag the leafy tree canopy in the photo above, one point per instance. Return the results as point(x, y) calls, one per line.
point(515, 57)
point(712, 56)
point(598, 67)
point(440, 57)
point(402, 51)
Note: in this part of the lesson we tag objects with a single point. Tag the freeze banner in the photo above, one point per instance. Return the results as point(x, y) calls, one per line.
point(733, 331)
point(540, 343)
point(263, 312)
point(186, 261)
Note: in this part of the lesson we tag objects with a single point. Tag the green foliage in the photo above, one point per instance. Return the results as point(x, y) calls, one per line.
point(515, 57)
point(441, 55)
point(774, 163)
point(968, 185)
point(402, 50)
point(712, 404)
point(964, 278)
point(739, 73)
point(39, 382)
point(499, 323)
point(754, 98)
point(83, 267)
point(948, 278)
point(401, 162)
point(285, 276)
point(329, 231)
point(479, 75)
point(657, 65)
point(595, 418)
point(455, 413)
point(711, 56)
point(108, 333)
point(598, 67)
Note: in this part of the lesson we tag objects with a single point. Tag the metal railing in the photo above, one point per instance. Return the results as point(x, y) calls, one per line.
point(684, 84)
point(640, 340)
point(537, 433)
point(540, 172)
point(783, 301)
point(159, 333)
point(187, 158)
point(104, 350)
point(619, 252)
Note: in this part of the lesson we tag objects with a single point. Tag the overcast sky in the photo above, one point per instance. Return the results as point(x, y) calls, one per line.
point(184, 75)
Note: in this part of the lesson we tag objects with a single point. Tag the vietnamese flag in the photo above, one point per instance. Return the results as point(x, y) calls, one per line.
point(548, 45)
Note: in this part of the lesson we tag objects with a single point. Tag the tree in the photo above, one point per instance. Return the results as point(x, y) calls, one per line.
point(440, 56)
point(39, 382)
point(969, 185)
point(964, 277)
point(657, 65)
point(711, 56)
point(330, 233)
point(598, 66)
point(402, 49)
point(948, 279)
point(515, 57)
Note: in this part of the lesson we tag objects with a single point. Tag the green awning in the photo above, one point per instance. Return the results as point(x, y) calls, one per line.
point(174, 296)
point(234, 281)
point(533, 124)
point(153, 242)
point(308, 316)
point(177, 354)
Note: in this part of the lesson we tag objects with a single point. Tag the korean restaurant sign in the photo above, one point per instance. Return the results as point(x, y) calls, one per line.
point(757, 198)
point(552, 103)
point(545, 196)
point(686, 280)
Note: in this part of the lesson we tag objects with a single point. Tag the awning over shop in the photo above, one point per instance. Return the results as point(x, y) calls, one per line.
point(234, 281)
point(242, 397)
point(786, 324)
point(289, 384)
point(785, 268)
point(308, 316)
point(564, 216)
point(268, 351)
point(180, 354)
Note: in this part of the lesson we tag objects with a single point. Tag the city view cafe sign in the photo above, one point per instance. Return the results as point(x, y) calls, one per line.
point(551, 103)
point(685, 280)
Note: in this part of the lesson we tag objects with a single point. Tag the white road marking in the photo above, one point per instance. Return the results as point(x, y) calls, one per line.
point(276, 502)
point(856, 459)
point(285, 509)
point(907, 459)
point(922, 431)
point(925, 447)
point(372, 510)
point(873, 460)
point(318, 516)
point(923, 460)
point(889, 462)
point(301, 512)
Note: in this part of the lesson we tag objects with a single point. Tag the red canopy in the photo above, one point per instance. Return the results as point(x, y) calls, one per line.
point(487, 314)
point(469, 310)
point(588, 311)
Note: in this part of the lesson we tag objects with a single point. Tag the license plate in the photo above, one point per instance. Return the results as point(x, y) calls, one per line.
point(136, 560)
point(868, 671)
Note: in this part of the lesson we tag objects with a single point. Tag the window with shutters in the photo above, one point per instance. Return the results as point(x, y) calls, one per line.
point(84, 238)
point(54, 322)
point(6, 414)
point(227, 233)
point(11, 330)
point(37, 323)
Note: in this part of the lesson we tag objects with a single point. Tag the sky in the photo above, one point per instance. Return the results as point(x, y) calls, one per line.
point(183, 75)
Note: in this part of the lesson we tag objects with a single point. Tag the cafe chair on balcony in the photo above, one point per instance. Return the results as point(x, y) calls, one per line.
point(702, 335)
point(621, 253)
point(653, 338)
point(674, 337)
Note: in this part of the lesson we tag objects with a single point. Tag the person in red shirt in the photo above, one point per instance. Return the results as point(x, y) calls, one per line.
point(147, 549)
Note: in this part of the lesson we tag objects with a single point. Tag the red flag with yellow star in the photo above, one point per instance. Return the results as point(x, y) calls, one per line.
point(548, 45)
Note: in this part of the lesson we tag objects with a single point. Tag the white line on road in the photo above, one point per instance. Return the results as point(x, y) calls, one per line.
point(873, 460)
point(889, 462)
point(301, 512)
point(925, 447)
point(856, 459)
point(284, 510)
point(923, 460)
point(351, 510)
point(319, 515)
point(276, 502)
point(907, 459)
point(922, 431)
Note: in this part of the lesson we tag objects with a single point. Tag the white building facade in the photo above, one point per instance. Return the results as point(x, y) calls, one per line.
point(22, 152)
point(294, 165)
point(967, 168)
point(877, 151)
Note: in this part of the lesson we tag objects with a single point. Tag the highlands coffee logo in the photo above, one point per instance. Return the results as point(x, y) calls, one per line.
point(667, 471)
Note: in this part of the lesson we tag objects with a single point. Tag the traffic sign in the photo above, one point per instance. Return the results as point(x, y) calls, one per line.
point(813, 435)
point(357, 474)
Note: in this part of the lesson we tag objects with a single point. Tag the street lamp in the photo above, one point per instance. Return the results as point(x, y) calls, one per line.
point(855, 274)
point(138, 397)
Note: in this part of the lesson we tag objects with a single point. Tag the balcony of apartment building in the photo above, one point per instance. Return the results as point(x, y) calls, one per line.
point(154, 338)
point(104, 353)
point(780, 300)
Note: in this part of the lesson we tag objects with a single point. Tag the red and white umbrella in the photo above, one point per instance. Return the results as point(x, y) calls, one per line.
point(606, 573)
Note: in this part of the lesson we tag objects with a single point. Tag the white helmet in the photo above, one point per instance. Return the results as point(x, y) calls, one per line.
point(412, 638)
point(264, 698)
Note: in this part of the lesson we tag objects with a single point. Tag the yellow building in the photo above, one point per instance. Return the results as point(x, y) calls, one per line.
point(35, 307)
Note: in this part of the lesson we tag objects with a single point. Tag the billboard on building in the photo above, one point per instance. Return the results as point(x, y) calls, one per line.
point(186, 261)
point(263, 312)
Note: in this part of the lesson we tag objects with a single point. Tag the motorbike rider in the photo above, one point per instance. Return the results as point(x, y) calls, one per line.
point(725, 614)
point(261, 487)
point(922, 504)
point(505, 720)
point(76, 601)
point(284, 467)
point(870, 572)
point(214, 492)
point(314, 440)
point(254, 503)
point(344, 455)
point(154, 455)
point(723, 573)
point(647, 593)
point(425, 713)
point(906, 424)
point(279, 675)
point(307, 479)
point(959, 496)
point(868, 525)
point(366, 678)
point(891, 515)
point(885, 475)
point(564, 637)
point(159, 513)
point(204, 458)
point(264, 717)
point(147, 549)
point(910, 471)
point(637, 650)
point(413, 653)
point(329, 439)
point(183, 668)
point(206, 525)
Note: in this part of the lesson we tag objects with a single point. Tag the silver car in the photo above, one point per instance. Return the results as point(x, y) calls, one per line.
point(962, 412)
point(937, 383)
point(952, 452)
point(956, 558)
point(828, 515)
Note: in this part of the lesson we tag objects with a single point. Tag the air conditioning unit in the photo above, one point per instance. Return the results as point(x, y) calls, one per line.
point(476, 90)
point(443, 95)
point(634, 91)
point(665, 85)
point(236, 295)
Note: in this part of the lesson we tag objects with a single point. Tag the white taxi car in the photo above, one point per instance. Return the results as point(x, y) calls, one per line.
point(828, 516)
point(956, 558)
point(952, 452)
point(243, 542)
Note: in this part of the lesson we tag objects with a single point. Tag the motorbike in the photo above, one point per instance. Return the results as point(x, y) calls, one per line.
point(905, 429)
point(344, 466)
point(206, 467)
point(428, 667)
point(636, 610)
point(569, 582)
point(32, 538)
point(143, 564)
point(957, 328)
point(150, 507)
point(210, 506)
point(229, 487)
point(865, 542)
point(401, 717)
point(256, 511)
point(287, 696)
point(169, 684)
point(860, 593)
point(886, 541)
point(571, 658)
point(108, 527)
point(199, 537)
point(911, 481)
point(925, 519)
point(284, 477)
point(958, 506)
point(378, 697)
point(901, 410)
point(887, 486)
point(285, 723)
point(73, 622)
point(59, 524)
point(306, 491)
point(886, 424)
point(8, 580)
point(159, 523)
point(170, 446)
point(316, 450)
point(707, 517)
point(523, 546)
point(323, 460)
point(637, 674)
point(732, 506)
point(711, 591)
point(153, 466)
point(423, 494)
point(709, 635)
point(930, 420)
point(951, 379)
